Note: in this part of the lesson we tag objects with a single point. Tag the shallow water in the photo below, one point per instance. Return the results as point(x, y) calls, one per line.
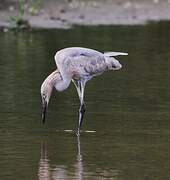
point(128, 111)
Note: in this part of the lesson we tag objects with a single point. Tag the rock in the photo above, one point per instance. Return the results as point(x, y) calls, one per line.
point(5, 30)
point(22, 24)
point(82, 16)
point(62, 10)
point(11, 8)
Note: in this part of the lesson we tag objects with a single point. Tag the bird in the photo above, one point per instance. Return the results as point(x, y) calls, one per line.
point(77, 65)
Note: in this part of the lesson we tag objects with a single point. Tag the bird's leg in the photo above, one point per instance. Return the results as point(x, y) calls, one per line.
point(82, 107)
point(77, 84)
point(80, 85)
point(81, 116)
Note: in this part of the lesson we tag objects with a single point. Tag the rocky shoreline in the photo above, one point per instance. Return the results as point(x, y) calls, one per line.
point(66, 13)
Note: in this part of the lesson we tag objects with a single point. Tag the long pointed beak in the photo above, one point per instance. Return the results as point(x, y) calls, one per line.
point(44, 110)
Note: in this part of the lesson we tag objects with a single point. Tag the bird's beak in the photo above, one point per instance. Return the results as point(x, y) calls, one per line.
point(44, 110)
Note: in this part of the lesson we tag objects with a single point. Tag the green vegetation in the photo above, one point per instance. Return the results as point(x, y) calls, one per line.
point(33, 7)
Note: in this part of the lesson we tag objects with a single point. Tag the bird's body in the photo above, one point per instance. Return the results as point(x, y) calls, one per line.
point(82, 64)
point(79, 65)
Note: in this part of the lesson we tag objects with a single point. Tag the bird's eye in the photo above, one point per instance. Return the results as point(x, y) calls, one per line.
point(113, 66)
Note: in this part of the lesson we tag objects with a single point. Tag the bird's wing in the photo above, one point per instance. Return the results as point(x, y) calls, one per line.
point(110, 54)
point(89, 66)
point(82, 62)
point(77, 59)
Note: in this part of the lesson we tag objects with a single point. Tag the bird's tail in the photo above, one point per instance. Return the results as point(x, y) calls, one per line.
point(112, 54)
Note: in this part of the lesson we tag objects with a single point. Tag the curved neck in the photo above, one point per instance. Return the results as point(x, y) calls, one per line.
point(55, 80)
point(50, 82)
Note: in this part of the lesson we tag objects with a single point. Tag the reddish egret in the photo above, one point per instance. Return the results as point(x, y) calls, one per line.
point(78, 65)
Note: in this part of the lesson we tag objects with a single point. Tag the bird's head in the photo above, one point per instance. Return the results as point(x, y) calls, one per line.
point(46, 90)
point(116, 65)
point(112, 63)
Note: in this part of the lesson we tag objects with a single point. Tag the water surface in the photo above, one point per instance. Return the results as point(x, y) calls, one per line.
point(128, 109)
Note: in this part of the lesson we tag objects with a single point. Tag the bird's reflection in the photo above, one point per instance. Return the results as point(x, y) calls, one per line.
point(77, 171)
point(45, 172)
point(44, 166)
point(79, 164)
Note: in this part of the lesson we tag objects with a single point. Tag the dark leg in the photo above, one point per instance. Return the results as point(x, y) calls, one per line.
point(81, 116)
point(80, 85)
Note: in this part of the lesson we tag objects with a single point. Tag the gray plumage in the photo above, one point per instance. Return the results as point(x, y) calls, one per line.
point(84, 63)
point(78, 65)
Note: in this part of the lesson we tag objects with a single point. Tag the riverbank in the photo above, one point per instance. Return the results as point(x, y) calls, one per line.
point(64, 14)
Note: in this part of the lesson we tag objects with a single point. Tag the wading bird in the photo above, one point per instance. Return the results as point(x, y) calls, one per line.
point(78, 65)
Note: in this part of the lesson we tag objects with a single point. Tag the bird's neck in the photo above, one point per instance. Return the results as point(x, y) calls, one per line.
point(50, 81)
point(56, 80)
point(53, 78)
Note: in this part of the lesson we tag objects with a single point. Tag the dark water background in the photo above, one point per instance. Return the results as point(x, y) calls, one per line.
point(129, 109)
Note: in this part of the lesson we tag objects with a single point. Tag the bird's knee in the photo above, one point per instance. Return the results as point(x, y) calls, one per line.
point(82, 109)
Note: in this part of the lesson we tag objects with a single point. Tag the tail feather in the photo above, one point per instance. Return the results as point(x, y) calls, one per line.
point(110, 54)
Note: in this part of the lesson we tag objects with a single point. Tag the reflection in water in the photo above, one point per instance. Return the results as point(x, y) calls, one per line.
point(77, 171)
point(79, 164)
point(46, 172)
point(44, 166)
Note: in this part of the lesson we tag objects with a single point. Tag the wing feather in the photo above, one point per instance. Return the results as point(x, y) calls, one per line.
point(110, 54)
